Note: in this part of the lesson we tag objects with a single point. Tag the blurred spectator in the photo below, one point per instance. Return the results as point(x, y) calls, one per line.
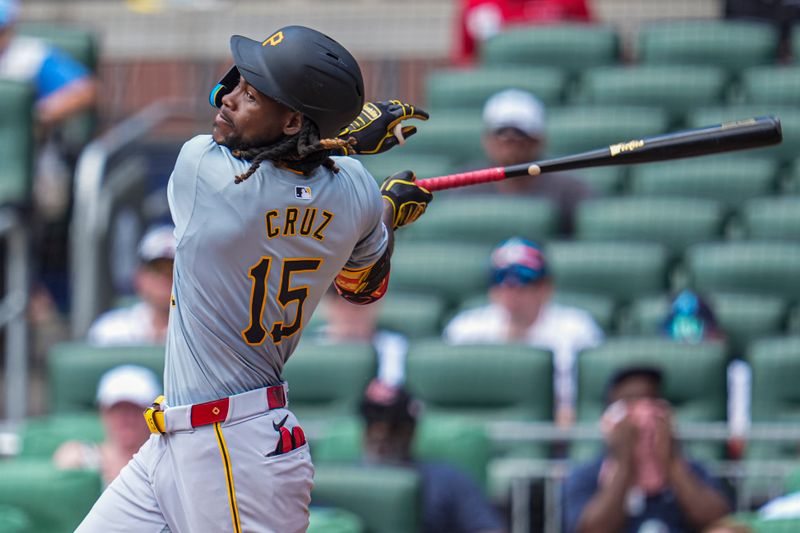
point(144, 322)
point(351, 323)
point(514, 122)
point(450, 499)
point(783, 14)
point(642, 481)
point(481, 19)
point(692, 320)
point(122, 394)
point(521, 310)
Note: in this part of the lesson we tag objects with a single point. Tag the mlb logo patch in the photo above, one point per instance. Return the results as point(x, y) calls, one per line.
point(302, 193)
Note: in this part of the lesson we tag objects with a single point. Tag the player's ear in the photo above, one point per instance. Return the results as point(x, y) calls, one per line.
point(293, 123)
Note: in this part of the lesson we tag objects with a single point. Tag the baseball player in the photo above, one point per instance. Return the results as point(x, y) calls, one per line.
point(265, 222)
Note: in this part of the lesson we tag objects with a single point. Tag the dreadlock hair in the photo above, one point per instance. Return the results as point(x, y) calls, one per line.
point(303, 151)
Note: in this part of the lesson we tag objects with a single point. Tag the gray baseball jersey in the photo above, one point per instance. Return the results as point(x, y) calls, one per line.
point(253, 261)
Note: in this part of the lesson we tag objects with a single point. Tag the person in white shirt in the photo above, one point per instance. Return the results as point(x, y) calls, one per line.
point(144, 322)
point(521, 310)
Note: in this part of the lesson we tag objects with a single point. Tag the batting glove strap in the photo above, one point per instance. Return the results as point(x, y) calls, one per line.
point(373, 129)
point(408, 199)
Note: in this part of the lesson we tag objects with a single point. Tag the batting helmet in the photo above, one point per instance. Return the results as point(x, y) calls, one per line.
point(302, 69)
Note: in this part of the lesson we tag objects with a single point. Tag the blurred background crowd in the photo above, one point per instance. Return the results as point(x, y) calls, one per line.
point(616, 349)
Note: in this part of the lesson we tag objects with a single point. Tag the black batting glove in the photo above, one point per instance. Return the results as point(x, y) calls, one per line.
point(373, 129)
point(408, 199)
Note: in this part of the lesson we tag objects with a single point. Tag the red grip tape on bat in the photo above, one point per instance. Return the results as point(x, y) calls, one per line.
point(461, 180)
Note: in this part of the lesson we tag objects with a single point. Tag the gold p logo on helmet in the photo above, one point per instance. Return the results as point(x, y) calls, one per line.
point(273, 40)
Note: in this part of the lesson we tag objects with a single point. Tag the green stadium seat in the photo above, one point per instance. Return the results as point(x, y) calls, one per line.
point(424, 165)
point(449, 270)
point(386, 500)
point(16, 142)
point(673, 88)
point(461, 443)
point(619, 270)
point(567, 46)
point(734, 45)
point(332, 520)
point(14, 520)
point(772, 85)
point(452, 133)
point(604, 181)
point(695, 382)
point(485, 218)
point(82, 45)
point(789, 116)
point(42, 436)
point(580, 128)
point(772, 218)
point(673, 222)
point(461, 88)
point(732, 180)
point(55, 501)
point(327, 380)
point(743, 317)
point(782, 525)
point(775, 396)
point(482, 382)
point(767, 268)
point(75, 368)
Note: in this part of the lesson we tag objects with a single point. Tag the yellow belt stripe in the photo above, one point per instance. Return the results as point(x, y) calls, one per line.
point(226, 462)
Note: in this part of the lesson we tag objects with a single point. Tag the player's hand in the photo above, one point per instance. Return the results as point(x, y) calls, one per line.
point(374, 128)
point(408, 200)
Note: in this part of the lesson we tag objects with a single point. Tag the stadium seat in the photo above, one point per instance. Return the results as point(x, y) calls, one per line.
point(772, 218)
point(82, 46)
point(452, 133)
point(580, 128)
point(55, 501)
point(772, 85)
point(43, 435)
point(412, 314)
point(424, 165)
point(461, 443)
point(767, 268)
point(452, 271)
point(483, 382)
point(447, 89)
point(673, 222)
point(485, 218)
point(327, 380)
point(673, 88)
point(743, 317)
point(75, 368)
point(604, 181)
point(695, 382)
point(775, 395)
point(789, 116)
point(729, 179)
point(733, 45)
point(16, 142)
point(332, 520)
point(386, 500)
point(567, 46)
point(14, 520)
point(619, 270)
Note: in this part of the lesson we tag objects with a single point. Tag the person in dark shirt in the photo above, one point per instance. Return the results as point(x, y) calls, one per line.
point(642, 483)
point(452, 502)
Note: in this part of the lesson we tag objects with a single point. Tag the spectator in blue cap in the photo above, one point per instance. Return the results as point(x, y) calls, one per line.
point(691, 320)
point(521, 310)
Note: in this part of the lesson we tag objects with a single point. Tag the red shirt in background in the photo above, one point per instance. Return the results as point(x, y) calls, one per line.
point(480, 19)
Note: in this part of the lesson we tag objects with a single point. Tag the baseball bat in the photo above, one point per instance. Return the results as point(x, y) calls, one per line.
point(726, 137)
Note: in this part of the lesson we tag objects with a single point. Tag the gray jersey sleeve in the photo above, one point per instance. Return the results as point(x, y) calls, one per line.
point(184, 179)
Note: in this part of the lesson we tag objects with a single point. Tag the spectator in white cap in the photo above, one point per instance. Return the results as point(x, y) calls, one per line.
point(144, 322)
point(123, 393)
point(515, 132)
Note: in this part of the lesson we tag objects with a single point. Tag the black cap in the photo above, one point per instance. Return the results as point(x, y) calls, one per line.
point(625, 373)
point(303, 69)
point(387, 403)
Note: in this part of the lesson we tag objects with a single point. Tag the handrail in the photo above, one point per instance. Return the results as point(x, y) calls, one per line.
point(88, 226)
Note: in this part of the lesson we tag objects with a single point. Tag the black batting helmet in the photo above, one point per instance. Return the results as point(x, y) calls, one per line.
point(302, 69)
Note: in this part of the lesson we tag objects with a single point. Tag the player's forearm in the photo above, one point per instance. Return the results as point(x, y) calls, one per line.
point(700, 503)
point(73, 98)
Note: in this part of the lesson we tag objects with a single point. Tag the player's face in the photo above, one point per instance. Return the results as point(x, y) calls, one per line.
point(249, 119)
